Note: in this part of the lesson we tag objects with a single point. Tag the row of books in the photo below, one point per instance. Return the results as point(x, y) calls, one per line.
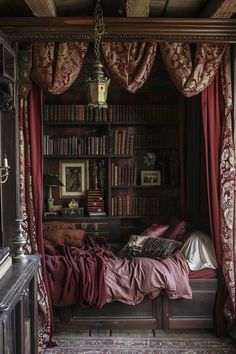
point(123, 142)
point(164, 137)
point(129, 205)
point(76, 113)
point(74, 145)
point(163, 113)
point(5, 260)
point(123, 175)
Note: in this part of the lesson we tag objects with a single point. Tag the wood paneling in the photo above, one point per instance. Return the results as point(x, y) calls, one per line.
point(143, 29)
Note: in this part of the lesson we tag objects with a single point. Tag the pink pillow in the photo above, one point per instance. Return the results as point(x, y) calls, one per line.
point(155, 230)
point(179, 231)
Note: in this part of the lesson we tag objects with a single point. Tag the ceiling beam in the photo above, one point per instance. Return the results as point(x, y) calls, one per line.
point(219, 9)
point(42, 8)
point(122, 28)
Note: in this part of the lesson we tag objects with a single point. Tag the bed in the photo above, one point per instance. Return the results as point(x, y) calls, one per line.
point(99, 286)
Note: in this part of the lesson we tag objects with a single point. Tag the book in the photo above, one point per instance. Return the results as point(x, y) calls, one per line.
point(3, 252)
point(101, 213)
point(5, 266)
point(4, 258)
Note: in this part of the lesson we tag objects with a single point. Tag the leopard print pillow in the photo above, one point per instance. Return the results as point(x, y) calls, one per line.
point(143, 246)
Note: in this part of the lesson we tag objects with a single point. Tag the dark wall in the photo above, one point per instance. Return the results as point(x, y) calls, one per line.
point(8, 189)
point(196, 195)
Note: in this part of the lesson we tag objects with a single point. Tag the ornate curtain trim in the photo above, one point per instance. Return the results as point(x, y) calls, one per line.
point(56, 66)
point(129, 64)
point(30, 217)
point(228, 192)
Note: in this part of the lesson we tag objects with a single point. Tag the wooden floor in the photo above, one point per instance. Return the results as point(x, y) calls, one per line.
point(129, 333)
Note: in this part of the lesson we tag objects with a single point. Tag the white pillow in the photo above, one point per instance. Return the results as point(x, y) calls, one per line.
point(199, 251)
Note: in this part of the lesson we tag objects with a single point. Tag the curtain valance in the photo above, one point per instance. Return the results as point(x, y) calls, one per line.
point(56, 66)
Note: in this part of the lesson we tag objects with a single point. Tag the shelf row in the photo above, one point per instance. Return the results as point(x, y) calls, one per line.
point(113, 113)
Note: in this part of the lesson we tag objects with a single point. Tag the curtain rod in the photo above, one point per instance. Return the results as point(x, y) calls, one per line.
point(119, 29)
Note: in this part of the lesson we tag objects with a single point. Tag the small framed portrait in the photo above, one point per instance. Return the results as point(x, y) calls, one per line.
point(75, 177)
point(150, 178)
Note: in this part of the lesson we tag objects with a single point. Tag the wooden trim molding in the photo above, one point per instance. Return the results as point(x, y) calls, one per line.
point(119, 29)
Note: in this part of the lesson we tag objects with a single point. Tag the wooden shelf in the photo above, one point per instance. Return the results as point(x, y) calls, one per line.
point(64, 124)
point(145, 187)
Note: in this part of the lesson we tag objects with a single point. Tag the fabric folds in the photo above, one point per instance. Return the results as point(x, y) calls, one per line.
point(56, 66)
point(188, 78)
point(129, 63)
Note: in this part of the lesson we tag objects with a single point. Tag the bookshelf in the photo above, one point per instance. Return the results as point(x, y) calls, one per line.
point(132, 155)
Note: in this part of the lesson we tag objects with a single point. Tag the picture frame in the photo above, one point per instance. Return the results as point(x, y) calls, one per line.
point(75, 178)
point(7, 62)
point(150, 178)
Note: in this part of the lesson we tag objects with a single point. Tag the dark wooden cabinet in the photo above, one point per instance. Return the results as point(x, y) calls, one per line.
point(18, 308)
point(197, 312)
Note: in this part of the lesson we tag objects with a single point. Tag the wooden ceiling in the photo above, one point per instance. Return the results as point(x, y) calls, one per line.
point(115, 8)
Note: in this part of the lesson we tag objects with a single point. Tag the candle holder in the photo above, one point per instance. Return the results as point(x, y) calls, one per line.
point(19, 242)
point(4, 171)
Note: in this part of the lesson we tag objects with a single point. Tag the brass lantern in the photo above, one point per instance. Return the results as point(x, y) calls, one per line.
point(97, 83)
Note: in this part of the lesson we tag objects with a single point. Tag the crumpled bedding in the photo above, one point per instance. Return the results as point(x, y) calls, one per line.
point(92, 275)
point(129, 280)
point(76, 275)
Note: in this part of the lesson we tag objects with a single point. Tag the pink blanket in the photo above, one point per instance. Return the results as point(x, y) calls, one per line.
point(129, 280)
point(76, 275)
point(93, 276)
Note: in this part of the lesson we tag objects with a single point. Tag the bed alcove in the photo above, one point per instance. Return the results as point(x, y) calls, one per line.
point(160, 312)
point(174, 313)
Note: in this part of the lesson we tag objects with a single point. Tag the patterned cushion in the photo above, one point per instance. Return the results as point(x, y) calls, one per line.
point(55, 226)
point(155, 230)
point(56, 237)
point(74, 237)
point(143, 246)
point(59, 234)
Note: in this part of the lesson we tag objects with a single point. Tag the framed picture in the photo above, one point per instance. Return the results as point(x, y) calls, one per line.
point(151, 178)
point(74, 175)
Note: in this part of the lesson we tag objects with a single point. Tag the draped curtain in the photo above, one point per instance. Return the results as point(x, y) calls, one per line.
point(54, 68)
point(188, 78)
point(220, 160)
point(57, 65)
point(129, 64)
point(31, 198)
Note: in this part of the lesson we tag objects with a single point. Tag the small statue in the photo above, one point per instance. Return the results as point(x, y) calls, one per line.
point(101, 175)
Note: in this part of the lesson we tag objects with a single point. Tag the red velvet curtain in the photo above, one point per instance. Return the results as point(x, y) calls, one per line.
point(220, 168)
point(31, 198)
point(211, 116)
point(212, 130)
point(220, 154)
point(181, 158)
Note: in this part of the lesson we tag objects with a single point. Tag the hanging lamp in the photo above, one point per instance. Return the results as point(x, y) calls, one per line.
point(97, 83)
